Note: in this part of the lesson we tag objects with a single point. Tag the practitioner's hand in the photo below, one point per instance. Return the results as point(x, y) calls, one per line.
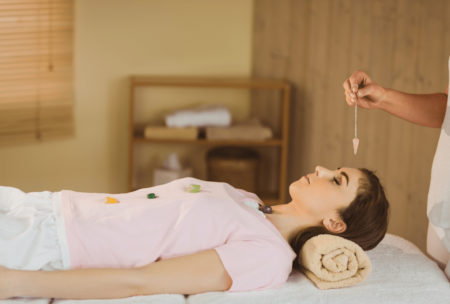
point(7, 288)
point(369, 94)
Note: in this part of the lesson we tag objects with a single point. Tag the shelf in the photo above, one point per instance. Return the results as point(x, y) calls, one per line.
point(244, 83)
point(136, 134)
point(271, 142)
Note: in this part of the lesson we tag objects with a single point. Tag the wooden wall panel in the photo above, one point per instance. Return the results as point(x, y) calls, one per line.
point(267, 106)
point(316, 45)
point(431, 61)
point(400, 131)
point(359, 59)
point(296, 72)
point(334, 115)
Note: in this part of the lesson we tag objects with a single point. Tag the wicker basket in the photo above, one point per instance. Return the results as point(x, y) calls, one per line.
point(234, 165)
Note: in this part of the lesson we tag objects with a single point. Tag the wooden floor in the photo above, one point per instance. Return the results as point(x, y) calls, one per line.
point(316, 45)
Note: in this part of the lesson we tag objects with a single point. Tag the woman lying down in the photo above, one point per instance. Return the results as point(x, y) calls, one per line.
point(166, 239)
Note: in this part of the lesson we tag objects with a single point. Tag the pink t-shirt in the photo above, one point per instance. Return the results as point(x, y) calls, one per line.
point(137, 231)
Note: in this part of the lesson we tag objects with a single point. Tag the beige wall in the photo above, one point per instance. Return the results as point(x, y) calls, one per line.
point(401, 44)
point(115, 39)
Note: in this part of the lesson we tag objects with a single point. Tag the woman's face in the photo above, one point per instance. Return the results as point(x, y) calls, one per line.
point(321, 193)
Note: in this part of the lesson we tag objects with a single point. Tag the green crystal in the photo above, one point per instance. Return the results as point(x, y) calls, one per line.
point(192, 188)
point(151, 195)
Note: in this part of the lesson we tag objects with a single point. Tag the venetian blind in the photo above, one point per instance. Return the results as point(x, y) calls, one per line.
point(36, 64)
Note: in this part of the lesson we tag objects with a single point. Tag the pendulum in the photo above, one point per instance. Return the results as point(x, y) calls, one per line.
point(265, 209)
point(355, 140)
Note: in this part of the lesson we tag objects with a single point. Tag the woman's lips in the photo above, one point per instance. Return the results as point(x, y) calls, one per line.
point(307, 179)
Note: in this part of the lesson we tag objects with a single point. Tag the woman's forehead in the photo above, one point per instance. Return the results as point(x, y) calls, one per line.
point(349, 170)
point(353, 174)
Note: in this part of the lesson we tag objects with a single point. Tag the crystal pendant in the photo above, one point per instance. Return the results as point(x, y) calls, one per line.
point(355, 145)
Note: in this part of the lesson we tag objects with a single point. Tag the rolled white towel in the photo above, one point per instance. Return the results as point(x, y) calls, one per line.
point(331, 261)
point(206, 115)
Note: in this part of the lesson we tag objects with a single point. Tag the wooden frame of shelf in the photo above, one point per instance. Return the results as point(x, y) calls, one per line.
point(232, 83)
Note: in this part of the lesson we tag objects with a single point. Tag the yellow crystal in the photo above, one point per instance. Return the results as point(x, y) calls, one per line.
point(110, 200)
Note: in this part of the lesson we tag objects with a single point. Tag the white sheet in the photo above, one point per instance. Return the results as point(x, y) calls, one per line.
point(401, 274)
point(155, 299)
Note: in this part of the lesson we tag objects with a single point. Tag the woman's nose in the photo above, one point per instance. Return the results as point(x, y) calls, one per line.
point(321, 171)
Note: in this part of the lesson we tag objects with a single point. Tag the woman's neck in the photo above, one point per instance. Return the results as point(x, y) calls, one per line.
point(289, 220)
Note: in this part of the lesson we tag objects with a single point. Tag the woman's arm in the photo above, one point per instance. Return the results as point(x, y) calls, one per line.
point(70, 284)
point(423, 109)
point(191, 274)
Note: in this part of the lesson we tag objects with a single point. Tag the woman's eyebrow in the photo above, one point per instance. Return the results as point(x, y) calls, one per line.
point(346, 176)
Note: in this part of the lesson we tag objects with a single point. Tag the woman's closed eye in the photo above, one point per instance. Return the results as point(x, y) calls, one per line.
point(337, 182)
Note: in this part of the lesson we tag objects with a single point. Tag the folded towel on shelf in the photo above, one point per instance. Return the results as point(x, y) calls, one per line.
point(202, 116)
point(331, 261)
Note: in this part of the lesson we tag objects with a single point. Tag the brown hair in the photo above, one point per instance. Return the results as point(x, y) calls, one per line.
point(366, 217)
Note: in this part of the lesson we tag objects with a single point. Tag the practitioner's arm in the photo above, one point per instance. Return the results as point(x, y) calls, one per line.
point(423, 109)
point(191, 274)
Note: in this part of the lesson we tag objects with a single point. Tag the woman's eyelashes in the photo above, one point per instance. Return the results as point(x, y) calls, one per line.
point(337, 182)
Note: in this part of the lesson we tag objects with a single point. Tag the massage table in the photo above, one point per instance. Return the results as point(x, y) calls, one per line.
point(401, 273)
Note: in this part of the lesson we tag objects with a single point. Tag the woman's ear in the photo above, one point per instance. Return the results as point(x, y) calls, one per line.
point(334, 226)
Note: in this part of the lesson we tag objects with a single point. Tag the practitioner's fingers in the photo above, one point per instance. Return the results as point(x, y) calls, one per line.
point(358, 78)
point(359, 88)
point(349, 98)
point(367, 90)
point(346, 85)
point(353, 84)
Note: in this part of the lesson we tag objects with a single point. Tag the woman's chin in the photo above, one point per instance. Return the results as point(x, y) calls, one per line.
point(295, 187)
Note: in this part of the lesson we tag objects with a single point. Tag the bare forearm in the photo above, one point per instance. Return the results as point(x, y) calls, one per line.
point(77, 283)
point(423, 109)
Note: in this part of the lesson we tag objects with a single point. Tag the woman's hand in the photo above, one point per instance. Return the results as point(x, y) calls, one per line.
point(7, 285)
point(369, 94)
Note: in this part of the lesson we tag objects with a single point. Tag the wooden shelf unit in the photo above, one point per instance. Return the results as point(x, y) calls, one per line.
point(274, 142)
point(233, 83)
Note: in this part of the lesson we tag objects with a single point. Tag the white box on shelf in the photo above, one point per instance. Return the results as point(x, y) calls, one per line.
point(164, 176)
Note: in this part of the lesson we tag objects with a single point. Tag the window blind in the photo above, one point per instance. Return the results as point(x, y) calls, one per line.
point(36, 70)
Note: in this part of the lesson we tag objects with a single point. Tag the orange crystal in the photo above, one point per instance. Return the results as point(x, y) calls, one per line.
point(110, 200)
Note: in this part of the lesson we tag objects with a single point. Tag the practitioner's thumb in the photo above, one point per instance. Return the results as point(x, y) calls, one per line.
point(367, 90)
